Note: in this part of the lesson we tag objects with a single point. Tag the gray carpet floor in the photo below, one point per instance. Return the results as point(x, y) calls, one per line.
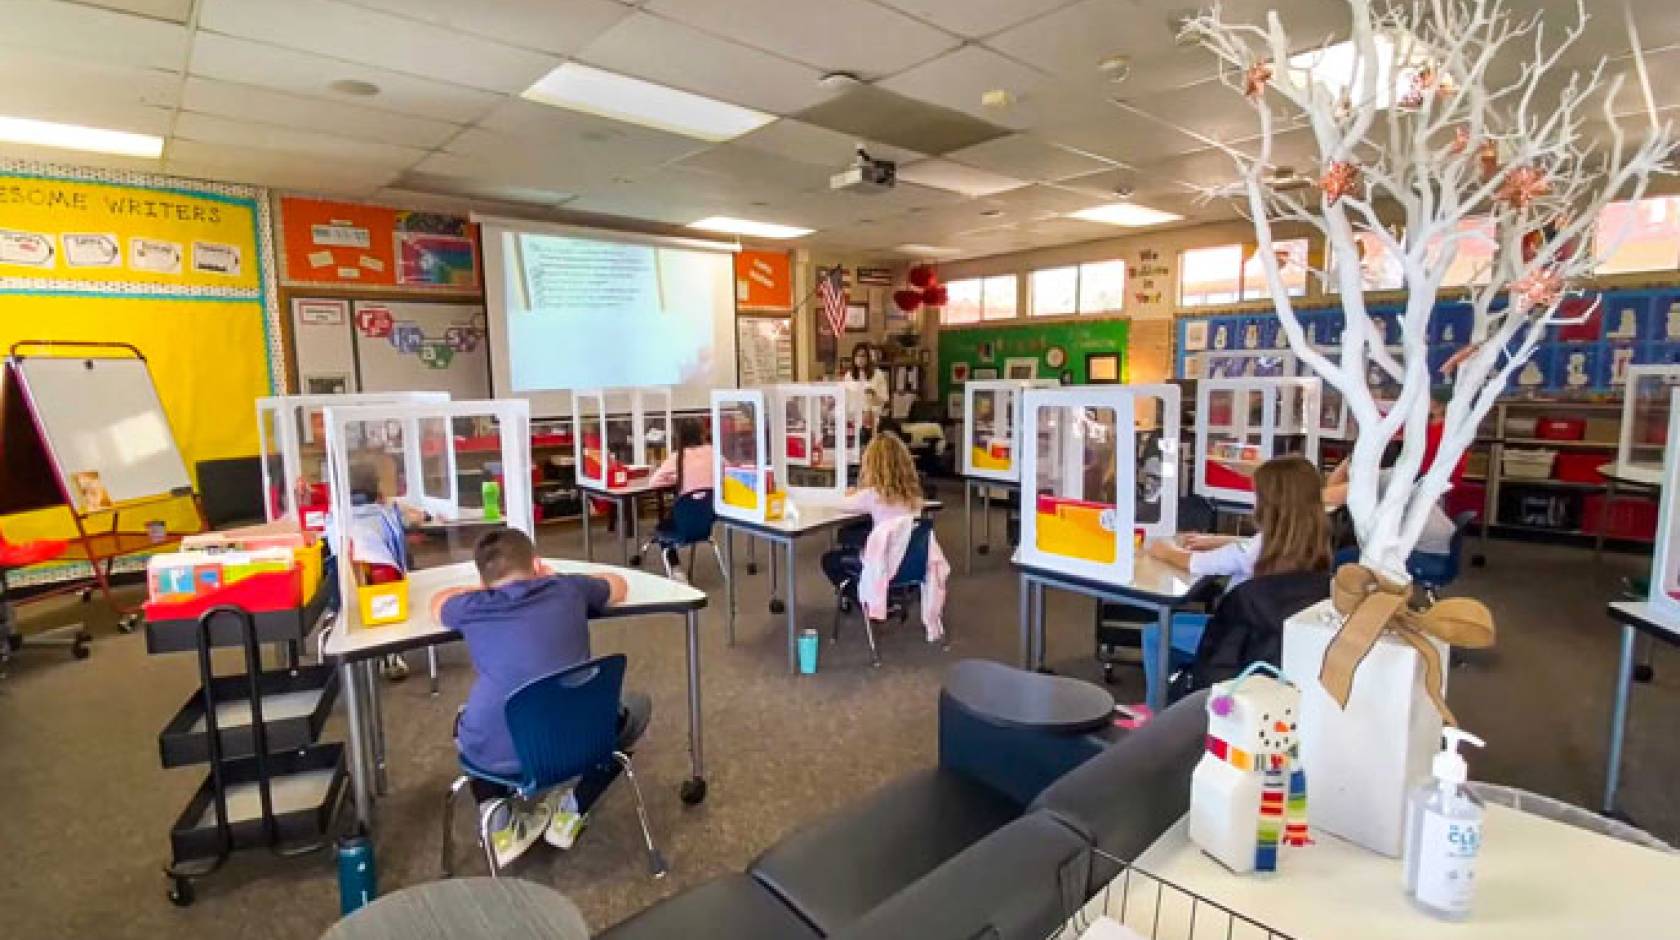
point(87, 808)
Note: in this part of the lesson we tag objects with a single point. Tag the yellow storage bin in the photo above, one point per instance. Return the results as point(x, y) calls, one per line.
point(383, 603)
point(311, 560)
point(1075, 531)
point(996, 457)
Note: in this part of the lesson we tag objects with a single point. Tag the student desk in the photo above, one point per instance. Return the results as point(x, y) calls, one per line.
point(624, 499)
point(985, 486)
point(355, 651)
point(1536, 879)
point(1633, 616)
point(1155, 585)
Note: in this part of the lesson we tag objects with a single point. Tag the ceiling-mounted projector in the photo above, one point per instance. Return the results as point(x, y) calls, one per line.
point(865, 175)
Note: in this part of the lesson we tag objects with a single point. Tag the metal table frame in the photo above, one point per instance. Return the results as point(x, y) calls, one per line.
point(985, 485)
point(786, 540)
point(1635, 617)
point(625, 503)
point(1035, 579)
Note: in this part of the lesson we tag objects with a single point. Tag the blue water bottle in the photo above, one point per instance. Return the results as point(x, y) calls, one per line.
point(808, 645)
point(358, 880)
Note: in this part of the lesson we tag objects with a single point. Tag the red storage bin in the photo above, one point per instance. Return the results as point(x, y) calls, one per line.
point(1630, 518)
point(1580, 468)
point(1466, 497)
point(1561, 429)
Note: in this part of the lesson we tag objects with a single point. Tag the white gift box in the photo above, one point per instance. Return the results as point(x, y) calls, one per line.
point(1361, 761)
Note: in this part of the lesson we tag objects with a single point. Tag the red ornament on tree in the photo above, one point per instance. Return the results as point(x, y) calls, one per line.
point(1340, 179)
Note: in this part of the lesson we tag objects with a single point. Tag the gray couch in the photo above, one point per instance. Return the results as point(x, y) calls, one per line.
point(995, 842)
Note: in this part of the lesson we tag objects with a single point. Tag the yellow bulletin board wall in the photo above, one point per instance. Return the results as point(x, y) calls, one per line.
point(183, 270)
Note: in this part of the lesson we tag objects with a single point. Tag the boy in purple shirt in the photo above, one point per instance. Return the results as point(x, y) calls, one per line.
point(527, 622)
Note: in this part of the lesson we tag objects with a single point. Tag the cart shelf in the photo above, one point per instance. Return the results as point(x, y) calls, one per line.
point(295, 706)
point(304, 786)
point(279, 626)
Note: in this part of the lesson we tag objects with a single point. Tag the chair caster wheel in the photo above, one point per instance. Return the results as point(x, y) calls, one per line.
point(777, 607)
point(79, 649)
point(127, 622)
point(1108, 674)
point(983, 550)
point(752, 567)
point(636, 561)
point(86, 595)
point(693, 791)
point(180, 892)
point(1644, 672)
point(14, 641)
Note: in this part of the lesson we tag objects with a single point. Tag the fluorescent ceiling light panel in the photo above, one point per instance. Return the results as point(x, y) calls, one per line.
point(76, 137)
point(622, 98)
point(956, 177)
point(1128, 214)
point(1337, 67)
point(749, 228)
point(926, 250)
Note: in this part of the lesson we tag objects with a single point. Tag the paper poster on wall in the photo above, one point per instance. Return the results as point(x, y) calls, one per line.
point(31, 249)
point(408, 346)
point(763, 280)
point(216, 258)
point(1020, 368)
point(151, 254)
point(326, 384)
point(765, 348)
point(327, 312)
point(91, 250)
point(433, 260)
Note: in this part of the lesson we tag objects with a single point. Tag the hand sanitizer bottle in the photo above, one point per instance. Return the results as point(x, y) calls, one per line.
point(1443, 835)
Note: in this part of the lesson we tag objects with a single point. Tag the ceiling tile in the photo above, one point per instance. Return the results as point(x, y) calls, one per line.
point(1211, 109)
point(943, 174)
point(11, 151)
point(359, 35)
point(208, 129)
point(268, 168)
point(92, 34)
point(673, 54)
point(1123, 135)
point(175, 10)
point(1073, 40)
point(576, 137)
point(456, 187)
point(86, 92)
point(975, 18)
point(303, 73)
point(225, 99)
point(809, 143)
point(1034, 202)
point(853, 35)
point(873, 113)
point(1028, 157)
point(756, 166)
point(958, 79)
point(561, 27)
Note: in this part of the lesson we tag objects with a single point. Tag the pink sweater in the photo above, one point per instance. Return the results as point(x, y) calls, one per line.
point(697, 470)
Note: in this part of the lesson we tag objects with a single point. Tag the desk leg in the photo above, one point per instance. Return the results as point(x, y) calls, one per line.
point(968, 526)
point(1025, 622)
point(752, 555)
point(1163, 662)
point(792, 607)
point(626, 526)
point(1618, 721)
point(986, 520)
point(588, 553)
point(1604, 522)
point(729, 584)
point(376, 724)
point(693, 789)
point(349, 676)
point(775, 602)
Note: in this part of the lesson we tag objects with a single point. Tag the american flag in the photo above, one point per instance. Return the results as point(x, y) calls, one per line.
point(831, 286)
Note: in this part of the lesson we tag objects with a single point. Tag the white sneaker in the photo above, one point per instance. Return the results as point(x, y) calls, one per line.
point(515, 827)
point(394, 667)
point(567, 822)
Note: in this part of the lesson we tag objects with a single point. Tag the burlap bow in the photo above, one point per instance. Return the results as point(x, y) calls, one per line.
point(1372, 605)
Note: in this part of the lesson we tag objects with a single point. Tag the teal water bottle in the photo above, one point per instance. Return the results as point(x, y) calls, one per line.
point(809, 643)
point(358, 881)
point(492, 492)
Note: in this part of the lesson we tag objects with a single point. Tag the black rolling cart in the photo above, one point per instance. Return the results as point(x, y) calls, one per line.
point(271, 784)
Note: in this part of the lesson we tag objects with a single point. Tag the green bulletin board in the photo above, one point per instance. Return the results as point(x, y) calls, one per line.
point(1077, 340)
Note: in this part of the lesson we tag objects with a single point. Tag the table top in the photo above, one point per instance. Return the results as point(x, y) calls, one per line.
point(506, 908)
point(1635, 476)
point(1152, 580)
point(1645, 617)
point(634, 489)
point(1536, 879)
point(348, 640)
point(809, 517)
point(1014, 698)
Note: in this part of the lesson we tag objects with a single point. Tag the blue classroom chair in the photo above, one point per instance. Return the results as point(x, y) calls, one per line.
point(690, 524)
point(912, 571)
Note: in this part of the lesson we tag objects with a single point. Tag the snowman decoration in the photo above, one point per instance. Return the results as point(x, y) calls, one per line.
point(1625, 326)
point(1575, 375)
point(1530, 376)
point(1251, 336)
point(1674, 320)
point(1248, 794)
point(1219, 339)
point(1620, 359)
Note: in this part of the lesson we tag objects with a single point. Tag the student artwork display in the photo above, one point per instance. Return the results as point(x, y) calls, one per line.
point(353, 244)
point(1248, 793)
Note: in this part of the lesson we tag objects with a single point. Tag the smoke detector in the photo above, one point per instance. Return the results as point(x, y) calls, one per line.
point(1125, 191)
point(1116, 68)
point(839, 81)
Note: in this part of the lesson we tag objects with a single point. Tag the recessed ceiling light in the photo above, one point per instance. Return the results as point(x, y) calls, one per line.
point(76, 137)
point(354, 87)
point(997, 98)
point(622, 98)
point(1128, 214)
point(1116, 68)
point(729, 226)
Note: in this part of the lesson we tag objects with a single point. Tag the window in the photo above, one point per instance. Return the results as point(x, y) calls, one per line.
point(962, 304)
point(1379, 268)
point(1210, 275)
point(1292, 259)
point(1639, 236)
point(979, 298)
point(998, 298)
point(1055, 292)
point(1096, 287)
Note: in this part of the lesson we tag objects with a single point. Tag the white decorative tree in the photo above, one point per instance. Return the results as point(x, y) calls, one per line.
point(1447, 112)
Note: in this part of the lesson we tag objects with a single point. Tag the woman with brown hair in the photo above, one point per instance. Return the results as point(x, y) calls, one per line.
point(1294, 530)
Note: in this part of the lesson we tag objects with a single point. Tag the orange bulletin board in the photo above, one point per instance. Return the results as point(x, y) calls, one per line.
point(763, 280)
point(346, 244)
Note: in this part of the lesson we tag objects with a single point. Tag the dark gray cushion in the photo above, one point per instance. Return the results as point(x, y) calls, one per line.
point(840, 867)
point(734, 907)
point(1019, 883)
point(1124, 798)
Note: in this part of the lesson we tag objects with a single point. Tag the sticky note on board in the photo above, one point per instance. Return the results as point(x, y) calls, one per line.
point(320, 259)
point(371, 263)
point(350, 274)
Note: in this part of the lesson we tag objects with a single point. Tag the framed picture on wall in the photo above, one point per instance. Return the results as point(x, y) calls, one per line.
point(1102, 368)
point(959, 373)
point(326, 384)
point(1020, 368)
point(954, 406)
point(1195, 335)
point(857, 318)
point(986, 374)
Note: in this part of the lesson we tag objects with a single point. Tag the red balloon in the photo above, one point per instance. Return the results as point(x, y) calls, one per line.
point(935, 296)
point(908, 300)
point(922, 276)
